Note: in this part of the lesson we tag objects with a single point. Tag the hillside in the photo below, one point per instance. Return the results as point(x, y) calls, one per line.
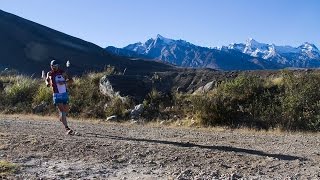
point(29, 47)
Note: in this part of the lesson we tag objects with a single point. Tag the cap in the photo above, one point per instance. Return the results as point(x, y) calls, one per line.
point(54, 63)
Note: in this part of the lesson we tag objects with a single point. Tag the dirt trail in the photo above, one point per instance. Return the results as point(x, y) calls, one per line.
point(123, 151)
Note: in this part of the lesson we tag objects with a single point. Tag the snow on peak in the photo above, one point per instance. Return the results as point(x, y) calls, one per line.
point(163, 39)
point(266, 51)
point(250, 41)
point(310, 50)
point(239, 47)
point(309, 47)
point(253, 44)
point(256, 49)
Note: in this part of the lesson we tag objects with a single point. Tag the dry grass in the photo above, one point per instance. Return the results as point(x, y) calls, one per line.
point(27, 117)
point(178, 124)
point(277, 81)
point(4, 146)
point(254, 102)
point(34, 117)
point(4, 141)
point(7, 168)
point(192, 124)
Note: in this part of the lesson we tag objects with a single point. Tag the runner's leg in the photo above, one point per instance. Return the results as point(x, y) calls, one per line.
point(65, 112)
point(63, 115)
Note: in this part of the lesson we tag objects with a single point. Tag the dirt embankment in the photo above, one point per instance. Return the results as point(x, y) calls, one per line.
point(41, 149)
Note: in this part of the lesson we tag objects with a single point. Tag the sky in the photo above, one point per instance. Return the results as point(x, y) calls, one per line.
point(209, 23)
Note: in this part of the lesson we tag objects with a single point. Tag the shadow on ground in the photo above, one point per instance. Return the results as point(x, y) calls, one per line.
point(187, 144)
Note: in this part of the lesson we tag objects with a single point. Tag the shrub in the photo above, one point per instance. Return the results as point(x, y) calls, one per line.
point(85, 96)
point(43, 94)
point(243, 101)
point(87, 100)
point(119, 107)
point(155, 104)
point(301, 101)
point(182, 105)
point(7, 168)
point(21, 90)
point(290, 100)
point(210, 110)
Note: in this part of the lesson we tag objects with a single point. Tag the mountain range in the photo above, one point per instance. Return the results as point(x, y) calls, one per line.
point(28, 47)
point(306, 55)
point(251, 55)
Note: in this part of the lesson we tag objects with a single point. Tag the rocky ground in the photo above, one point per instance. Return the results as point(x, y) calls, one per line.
point(41, 150)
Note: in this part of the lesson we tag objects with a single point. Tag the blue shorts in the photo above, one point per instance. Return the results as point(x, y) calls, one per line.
point(62, 98)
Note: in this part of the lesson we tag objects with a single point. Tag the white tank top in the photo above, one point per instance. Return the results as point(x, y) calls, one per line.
point(61, 84)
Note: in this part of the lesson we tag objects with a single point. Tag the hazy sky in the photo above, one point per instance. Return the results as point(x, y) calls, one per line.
point(202, 22)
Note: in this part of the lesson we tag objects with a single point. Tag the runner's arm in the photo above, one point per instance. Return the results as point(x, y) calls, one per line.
point(47, 80)
point(68, 77)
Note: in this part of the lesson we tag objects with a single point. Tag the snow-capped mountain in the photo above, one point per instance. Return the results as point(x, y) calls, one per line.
point(310, 50)
point(236, 56)
point(185, 54)
point(306, 55)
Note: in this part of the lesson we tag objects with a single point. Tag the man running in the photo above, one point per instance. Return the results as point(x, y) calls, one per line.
point(58, 79)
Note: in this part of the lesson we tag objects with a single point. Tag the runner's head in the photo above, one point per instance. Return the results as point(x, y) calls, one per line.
point(54, 65)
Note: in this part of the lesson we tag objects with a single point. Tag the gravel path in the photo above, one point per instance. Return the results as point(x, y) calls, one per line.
point(130, 151)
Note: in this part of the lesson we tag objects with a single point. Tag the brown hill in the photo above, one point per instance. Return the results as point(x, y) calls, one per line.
point(29, 47)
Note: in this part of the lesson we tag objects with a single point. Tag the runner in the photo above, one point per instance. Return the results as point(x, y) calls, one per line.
point(58, 80)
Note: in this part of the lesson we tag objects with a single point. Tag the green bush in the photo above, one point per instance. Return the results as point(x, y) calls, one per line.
point(86, 99)
point(209, 110)
point(243, 101)
point(182, 106)
point(2, 95)
point(7, 168)
point(119, 107)
point(43, 94)
point(301, 101)
point(85, 96)
point(21, 90)
point(155, 104)
point(289, 100)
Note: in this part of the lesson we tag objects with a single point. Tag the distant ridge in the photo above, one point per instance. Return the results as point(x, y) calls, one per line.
point(29, 47)
point(251, 55)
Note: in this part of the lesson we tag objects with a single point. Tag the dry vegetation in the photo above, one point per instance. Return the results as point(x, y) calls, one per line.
point(289, 100)
point(7, 168)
